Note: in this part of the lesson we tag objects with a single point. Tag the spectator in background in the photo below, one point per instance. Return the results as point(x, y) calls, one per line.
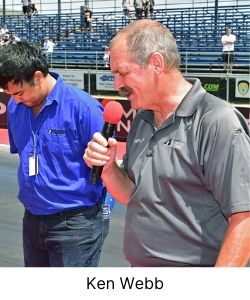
point(32, 9)
point(48, 47)
point(4, 40)
point(126, 8)
point(4, 35)
point(26, 7)
point(14, 38)
point(228, 41)
point(151, 8)
point(145, 6)
point(5, 31)
point(106, 56)
point(138, 9)
point(87, 19)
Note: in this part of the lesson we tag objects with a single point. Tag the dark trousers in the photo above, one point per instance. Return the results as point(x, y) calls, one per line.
point(66, 239)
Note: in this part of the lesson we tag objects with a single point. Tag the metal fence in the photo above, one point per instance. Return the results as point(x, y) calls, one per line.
point(74, 6)
point(190, 61)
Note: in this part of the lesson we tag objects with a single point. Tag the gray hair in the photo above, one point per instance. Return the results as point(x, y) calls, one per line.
point(144, 37)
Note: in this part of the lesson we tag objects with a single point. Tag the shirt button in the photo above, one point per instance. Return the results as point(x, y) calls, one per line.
point(150, 153)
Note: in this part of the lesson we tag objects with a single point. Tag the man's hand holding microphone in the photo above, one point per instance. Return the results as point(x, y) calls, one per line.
point(97, 153)
point(101, 152)
point(101, 156)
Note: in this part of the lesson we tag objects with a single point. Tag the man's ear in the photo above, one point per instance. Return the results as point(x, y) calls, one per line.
point(38, 77)
point(157, 61)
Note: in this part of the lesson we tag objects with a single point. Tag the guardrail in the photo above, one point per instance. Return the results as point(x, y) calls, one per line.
point(194, 61)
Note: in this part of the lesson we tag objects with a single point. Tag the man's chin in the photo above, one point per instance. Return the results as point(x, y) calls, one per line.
point(28, 104)
point(133, 104)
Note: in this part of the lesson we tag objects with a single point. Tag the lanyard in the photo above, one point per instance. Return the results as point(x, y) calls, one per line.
point(35, 133)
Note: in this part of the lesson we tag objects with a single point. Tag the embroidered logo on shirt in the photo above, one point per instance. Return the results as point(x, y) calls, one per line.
point(174, 144)
point(138, 140)
point(56, 131)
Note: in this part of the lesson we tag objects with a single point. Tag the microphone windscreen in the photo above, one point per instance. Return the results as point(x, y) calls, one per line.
point(112, 112)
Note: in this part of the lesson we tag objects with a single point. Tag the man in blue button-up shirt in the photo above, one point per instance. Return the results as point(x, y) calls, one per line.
point(50, 124)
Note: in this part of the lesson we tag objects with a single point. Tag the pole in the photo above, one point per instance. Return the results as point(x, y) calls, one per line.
point(59, 7)
point(59, 11)
point(4, 12)
point(215, 17)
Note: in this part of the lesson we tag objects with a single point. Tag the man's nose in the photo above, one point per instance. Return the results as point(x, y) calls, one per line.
point(118, 83)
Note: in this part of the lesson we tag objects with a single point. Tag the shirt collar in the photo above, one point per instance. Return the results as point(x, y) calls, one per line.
point(192, 99)
point(188, 104)
point(55, 94)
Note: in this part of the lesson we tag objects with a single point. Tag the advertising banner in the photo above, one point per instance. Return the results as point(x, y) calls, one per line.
point(128, 115)
point(105, 82)
point(72, 77)
point(215, 86)
point(242, 89)
point(4, 99)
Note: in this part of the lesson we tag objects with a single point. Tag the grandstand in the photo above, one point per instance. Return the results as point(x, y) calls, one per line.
point(197, 31)
point(78, 54)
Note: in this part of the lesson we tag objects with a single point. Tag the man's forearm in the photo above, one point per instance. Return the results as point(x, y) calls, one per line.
point(118, 183)
point(235, 250)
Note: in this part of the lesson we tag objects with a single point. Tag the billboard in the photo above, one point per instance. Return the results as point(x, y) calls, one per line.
point(216, 86)
point(72, 77)
point(105, 82)
point(242, 89)
point(128, 115)
point(4, 99)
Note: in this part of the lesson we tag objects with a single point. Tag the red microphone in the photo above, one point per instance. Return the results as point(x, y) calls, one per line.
point(112, 114)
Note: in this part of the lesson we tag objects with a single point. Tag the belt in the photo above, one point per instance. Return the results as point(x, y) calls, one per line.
point(67, 212)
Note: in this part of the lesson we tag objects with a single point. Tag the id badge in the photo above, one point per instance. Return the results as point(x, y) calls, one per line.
point(105, 211)
point(33, 165)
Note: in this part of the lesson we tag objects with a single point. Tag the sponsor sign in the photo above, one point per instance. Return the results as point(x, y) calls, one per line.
point(124, 125)
point(212, 87)
point(72, 77)
point(105, 82)
point(215, 86)
point(242, 87)
point(4, 99)
point(3, 108)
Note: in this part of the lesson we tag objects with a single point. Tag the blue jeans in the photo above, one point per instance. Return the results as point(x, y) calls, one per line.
point(67, 239)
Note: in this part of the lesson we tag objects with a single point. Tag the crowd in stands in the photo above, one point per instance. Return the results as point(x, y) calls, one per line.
point(6, 37)
point(96, 32)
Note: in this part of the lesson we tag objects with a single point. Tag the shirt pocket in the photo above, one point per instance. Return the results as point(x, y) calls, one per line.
point(55, 142)
point(59, 147)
